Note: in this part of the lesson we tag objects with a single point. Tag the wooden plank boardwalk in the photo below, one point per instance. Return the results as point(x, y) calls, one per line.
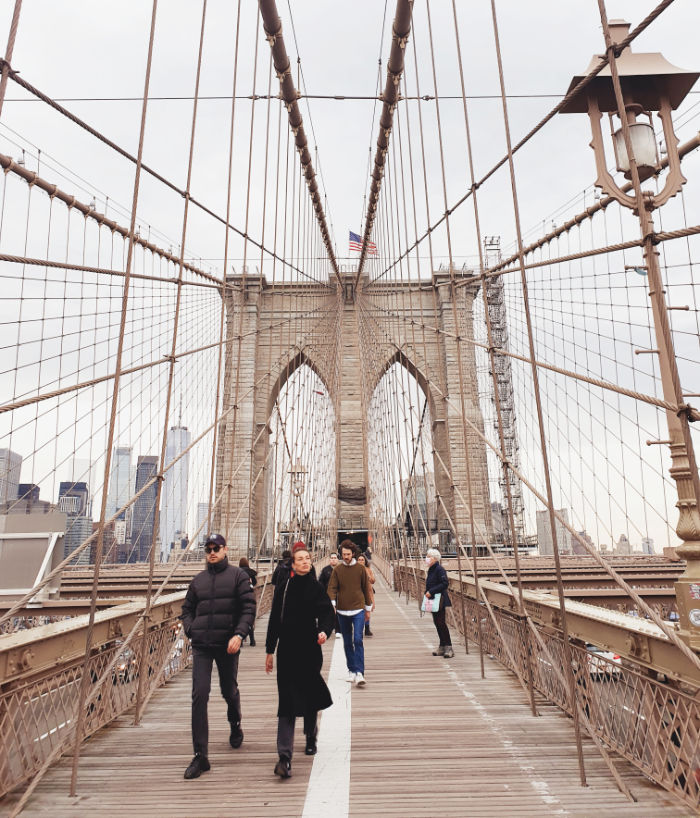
point(429, 738)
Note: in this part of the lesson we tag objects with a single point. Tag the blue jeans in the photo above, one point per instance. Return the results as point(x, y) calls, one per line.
point(352, 628)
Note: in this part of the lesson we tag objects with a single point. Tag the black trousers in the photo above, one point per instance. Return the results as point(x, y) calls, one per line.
point(441, 627)
point(285, 733)
point(227, 666)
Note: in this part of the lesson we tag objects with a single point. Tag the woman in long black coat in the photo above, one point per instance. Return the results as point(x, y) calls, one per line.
point(436, 582)
point(301, 620)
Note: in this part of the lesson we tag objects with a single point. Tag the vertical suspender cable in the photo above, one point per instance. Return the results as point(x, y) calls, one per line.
point(538, 403)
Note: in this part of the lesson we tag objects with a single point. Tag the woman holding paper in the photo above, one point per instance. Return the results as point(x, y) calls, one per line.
point(436, 584)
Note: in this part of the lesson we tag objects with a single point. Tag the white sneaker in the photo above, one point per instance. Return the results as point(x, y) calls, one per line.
point(350, 677)
point(359, 680)
point(338, 635)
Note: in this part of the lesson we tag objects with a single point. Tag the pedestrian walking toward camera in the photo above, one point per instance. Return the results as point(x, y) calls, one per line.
point(436, 582)
point(350, 591)
point(217, 615)
point(301, 620)
point(283, 568)
point(324, 578)
point(253, 574)
point(362, 559)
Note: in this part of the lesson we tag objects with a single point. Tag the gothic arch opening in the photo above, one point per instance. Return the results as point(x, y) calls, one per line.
point(300, 501)
point(401, 469)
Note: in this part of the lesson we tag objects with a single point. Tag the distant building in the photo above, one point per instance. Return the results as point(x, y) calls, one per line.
point(10, 467)
point(578, 547)
point(173, 503)
point(29, 492)
point(418, 494)
point(74, 502)
point(27, 502)
point(647, 545)
point(119, 479)
point(144, 510)
point(499, 521)
point(202, 514)
point(623, 546)
point(110, 547)
point(544, 533)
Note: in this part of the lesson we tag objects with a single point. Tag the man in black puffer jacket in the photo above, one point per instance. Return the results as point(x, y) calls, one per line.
point(217, 614)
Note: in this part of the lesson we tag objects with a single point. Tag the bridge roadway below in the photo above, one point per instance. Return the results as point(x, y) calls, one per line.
point(425, 737)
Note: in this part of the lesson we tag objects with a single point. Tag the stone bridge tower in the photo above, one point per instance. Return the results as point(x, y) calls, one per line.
point(272, 329)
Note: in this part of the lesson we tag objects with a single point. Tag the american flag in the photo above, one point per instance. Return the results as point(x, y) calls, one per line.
point(356, 245)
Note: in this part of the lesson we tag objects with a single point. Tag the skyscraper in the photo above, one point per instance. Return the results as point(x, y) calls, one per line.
point(74, 502)
point(173, 512)
point(10, 466)
point(119, 480)
point(647, 545)
point(544, 533)
point(144, 510)
point(202, 526)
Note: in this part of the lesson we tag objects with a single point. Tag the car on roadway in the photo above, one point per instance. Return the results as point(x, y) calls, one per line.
point(603, 664)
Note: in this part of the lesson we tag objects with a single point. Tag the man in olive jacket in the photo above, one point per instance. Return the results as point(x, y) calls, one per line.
point(217, 614)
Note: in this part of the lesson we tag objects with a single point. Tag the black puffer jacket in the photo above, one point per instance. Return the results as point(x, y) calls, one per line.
point(219, 604)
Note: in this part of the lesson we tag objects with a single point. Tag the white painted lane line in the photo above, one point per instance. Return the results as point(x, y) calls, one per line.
point(539, 786)
point(328, 792)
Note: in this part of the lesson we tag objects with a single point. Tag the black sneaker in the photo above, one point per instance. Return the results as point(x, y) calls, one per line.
point(283, 768)
point(199, 764)
point(236, 737)
point(310, 746)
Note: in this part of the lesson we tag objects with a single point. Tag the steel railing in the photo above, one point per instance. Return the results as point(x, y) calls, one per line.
point(649, 715)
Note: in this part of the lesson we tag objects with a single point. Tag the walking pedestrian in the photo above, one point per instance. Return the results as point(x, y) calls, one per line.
point(362, 559)
point(301, 620)
point(324, 578)
point(217, 615)
point(436, 582)
point(350, 592)
point(253, 574)
point(283, 568)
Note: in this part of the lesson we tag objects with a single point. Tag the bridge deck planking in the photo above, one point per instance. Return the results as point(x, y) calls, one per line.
point(429, 737)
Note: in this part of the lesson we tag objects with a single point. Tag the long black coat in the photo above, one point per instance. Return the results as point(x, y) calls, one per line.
point(219, 604)
point(436, 582)
point(300, 611)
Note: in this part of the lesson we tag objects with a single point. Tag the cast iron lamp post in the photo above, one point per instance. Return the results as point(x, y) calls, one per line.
point(630, 87)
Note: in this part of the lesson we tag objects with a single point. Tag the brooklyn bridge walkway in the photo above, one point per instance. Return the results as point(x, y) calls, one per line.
point(425, 737)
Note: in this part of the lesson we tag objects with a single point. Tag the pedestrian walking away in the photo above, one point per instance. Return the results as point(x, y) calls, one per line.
point(362, 559)
point(350, 591)
point(301, 620)
point(217, 615)
point(253, 574)
point(436, 582)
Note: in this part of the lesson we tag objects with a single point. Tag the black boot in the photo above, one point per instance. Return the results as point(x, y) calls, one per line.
point(368, 632)
point(310, 746)
point(199, 764)
point(283, 768)
point(236, 737)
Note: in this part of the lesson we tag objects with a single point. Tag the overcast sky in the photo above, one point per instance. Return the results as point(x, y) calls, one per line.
point(93, 54)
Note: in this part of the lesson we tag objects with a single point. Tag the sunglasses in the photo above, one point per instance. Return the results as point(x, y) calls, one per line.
point(215, 548)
